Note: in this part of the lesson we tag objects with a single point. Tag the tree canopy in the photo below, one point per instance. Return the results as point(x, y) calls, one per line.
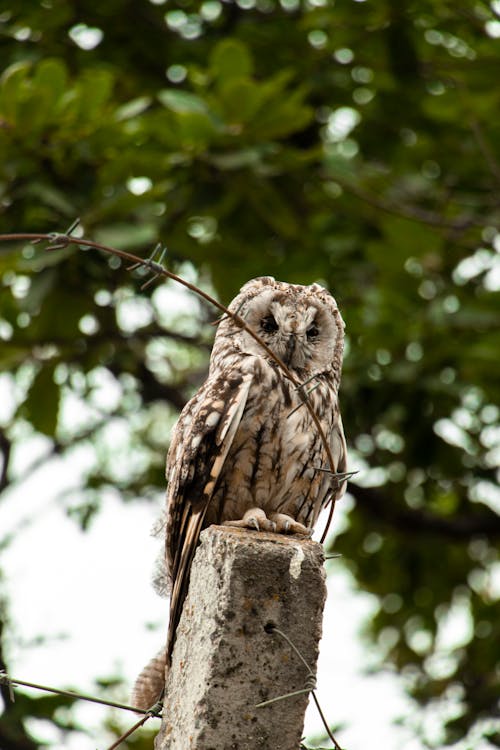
point(355, 143)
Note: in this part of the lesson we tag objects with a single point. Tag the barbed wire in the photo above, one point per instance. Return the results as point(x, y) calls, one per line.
point(10, 682)
point(309, 686)
point(155, 711)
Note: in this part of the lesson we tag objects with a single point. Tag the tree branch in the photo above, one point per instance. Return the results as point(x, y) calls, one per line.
point(412, 213)
point(376, 504)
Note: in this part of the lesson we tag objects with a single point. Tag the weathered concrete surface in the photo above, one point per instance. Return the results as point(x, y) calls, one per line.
point(224, 662)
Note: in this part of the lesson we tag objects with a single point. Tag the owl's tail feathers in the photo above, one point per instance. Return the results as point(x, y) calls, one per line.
point(149, 685)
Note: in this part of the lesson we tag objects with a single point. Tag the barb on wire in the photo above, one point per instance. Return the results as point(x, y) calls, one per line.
point(341, 476)
point(306, 382)
point(156, 266)
point(304, 396)
point(59, 240)
point(5, 680)
point(228, 314)
point(218, 321)
point(10, 682)
point(344, 476)
point(309, 687)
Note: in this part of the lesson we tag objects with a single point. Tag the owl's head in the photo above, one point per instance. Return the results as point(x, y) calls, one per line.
point(300, 324)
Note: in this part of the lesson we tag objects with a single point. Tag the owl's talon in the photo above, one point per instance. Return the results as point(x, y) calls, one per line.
point(255, 519)
point(287, 525)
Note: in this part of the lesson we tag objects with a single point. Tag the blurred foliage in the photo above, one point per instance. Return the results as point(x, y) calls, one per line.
point(354, 143)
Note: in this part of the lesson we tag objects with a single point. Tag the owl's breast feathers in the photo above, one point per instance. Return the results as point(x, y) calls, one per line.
point(274, 459)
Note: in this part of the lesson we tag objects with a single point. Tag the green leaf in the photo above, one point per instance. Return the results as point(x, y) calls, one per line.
point(239, 99)
point(10, 83)
point(417, 238)
point(231, 59)
point(282, 121)
point(50, 195)
point(270, 204)
point(12, 355)
point(194, 125)
point(246, 157)
point(42, 404)
point(30, 103)
point(182, 101)
point(93, 92)
point(52, 77)
point(195, 130)
point(33, 109)
point(126, 236)
point(132, 108)
point(42, 284)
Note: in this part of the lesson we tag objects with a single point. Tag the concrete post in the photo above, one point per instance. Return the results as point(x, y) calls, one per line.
point(224, 661)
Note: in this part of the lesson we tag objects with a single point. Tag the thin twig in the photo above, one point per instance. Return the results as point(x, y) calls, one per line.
point(412, 213)
point(484, 147)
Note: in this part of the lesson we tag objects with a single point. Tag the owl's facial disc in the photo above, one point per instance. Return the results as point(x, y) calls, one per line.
point(297, 331)
point(291, 332)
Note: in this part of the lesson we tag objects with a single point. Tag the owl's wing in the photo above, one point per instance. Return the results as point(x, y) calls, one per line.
point(200, 445)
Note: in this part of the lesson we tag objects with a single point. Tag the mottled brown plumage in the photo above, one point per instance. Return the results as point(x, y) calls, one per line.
point(245, 450)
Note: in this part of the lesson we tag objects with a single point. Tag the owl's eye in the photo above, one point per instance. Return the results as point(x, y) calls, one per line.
point(312, 331)
point(269, 325)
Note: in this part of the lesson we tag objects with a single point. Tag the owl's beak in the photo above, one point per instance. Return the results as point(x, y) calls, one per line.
point(289, 349)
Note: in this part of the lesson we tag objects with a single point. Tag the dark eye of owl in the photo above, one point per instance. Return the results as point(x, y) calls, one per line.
point(312, 331)
point(269, 324)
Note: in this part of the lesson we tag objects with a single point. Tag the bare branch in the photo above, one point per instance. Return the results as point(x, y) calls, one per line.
point(413, 213)
point(413, 521)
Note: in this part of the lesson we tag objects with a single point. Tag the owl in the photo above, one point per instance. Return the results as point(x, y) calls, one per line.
point(246, 451)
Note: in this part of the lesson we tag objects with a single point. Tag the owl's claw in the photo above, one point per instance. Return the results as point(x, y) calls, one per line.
point(256, 519)
point(286, 525)
point(279, 523)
